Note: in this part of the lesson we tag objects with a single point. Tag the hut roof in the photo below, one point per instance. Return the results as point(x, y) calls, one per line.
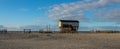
point(69, 21)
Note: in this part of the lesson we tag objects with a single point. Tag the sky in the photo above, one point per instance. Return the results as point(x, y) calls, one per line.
point(37, 14)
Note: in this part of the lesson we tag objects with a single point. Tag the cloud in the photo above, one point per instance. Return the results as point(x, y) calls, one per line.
point(13, 28)
point(32, 27)
point(115, 28)
point(42, 8)
point(109, 28)
point(1, 26)
point(21, 28)
point(41, 21)
point(76, 10)
point(56, 28)
point(24, 9)
point(108, 15)
point(39, 27)
point(39, 8)
point(66, 11)
point(81, 28)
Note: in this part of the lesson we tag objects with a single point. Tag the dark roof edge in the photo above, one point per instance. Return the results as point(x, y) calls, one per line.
point(69, 20)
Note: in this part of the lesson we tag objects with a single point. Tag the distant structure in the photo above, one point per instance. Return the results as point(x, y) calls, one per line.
point(27, 30)
point(4, 31)
point(48, 29)
point(69, 26)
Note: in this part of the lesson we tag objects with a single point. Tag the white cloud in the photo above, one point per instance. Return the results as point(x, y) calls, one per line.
point(108, 15)
point(76, 10)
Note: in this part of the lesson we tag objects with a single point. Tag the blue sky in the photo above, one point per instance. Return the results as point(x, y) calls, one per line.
point(16, 14)
point(25, 12)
